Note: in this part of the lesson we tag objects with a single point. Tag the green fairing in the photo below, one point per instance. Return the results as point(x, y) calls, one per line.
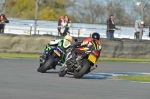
point(63, 58)
point(44, 47)
point(47, 47)
point(60, 42)
point(66, 44)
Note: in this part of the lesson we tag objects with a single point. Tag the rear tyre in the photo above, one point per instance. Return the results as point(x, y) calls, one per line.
point(84, 69)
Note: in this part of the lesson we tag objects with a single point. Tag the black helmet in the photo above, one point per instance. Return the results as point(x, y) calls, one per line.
point(96, 35)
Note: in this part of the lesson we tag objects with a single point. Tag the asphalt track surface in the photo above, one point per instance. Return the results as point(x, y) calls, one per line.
point(20, 80)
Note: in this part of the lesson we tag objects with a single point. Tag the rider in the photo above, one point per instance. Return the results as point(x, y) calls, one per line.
point(66, 43)
point(92, 43)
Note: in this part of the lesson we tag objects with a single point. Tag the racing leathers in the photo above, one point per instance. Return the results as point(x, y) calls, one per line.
point(89, 43)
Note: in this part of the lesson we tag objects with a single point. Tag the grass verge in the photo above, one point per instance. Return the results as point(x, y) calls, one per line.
point(124, 60)
point(23, 55)
point(18, 55)
point(141, 78)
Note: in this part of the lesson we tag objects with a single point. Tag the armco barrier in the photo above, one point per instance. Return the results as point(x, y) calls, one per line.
point(124, 48)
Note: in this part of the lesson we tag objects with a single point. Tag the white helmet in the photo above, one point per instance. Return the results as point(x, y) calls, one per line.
point(68, 37)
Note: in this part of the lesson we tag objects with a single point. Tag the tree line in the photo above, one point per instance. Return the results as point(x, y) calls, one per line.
point(88, 11)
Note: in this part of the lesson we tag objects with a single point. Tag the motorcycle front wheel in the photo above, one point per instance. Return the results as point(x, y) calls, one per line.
point(39, 69)
point(62, 72)
point(49, 63)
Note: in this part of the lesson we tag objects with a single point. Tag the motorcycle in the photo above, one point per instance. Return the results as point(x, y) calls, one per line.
point(54, 56)
point(86, 64)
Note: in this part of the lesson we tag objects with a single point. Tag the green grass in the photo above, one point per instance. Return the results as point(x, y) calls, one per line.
point(124, 60)
point(23, 55)
point(18, 55)
point(142, 78)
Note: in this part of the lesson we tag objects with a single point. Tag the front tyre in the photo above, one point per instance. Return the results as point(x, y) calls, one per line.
point(62, 71)
point(84, 69)
point(39, 69)
point(49, 63)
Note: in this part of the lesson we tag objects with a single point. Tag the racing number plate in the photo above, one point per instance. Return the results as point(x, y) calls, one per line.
point(92, 58)
point(57, 53)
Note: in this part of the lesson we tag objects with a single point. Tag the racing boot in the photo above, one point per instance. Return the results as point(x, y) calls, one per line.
point(78, 63)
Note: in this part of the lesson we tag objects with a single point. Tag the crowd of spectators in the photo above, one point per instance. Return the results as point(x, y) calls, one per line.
point(111, 27)
point(64, 23)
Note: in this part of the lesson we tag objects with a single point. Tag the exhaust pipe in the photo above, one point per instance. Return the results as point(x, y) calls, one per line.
point(93, 67)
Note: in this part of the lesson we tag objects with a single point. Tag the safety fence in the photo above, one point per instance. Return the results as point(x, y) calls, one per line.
point(26, 27)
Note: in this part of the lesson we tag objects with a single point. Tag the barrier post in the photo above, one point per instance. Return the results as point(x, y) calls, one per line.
point(78, 32)
point(30, 29)
point(38, 32)
point(149, 31)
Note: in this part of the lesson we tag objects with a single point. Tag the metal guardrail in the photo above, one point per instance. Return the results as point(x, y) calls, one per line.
point(25, 27)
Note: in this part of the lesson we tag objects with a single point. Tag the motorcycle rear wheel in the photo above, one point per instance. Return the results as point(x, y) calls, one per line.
point(85, 68)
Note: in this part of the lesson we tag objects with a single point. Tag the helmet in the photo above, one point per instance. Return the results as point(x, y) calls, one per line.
point(68, 37)
point(96, 35)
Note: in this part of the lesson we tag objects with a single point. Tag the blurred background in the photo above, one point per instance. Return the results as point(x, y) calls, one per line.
point(87, 16)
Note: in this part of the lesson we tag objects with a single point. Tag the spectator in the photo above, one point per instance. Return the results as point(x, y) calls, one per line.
point(111, 27)
point(139, 28)
point(3, 20)
point(67, 25)
point(60, 24)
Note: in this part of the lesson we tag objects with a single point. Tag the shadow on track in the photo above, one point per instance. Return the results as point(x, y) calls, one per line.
point(52, 72)
point(93, 76)
point(99, 76)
